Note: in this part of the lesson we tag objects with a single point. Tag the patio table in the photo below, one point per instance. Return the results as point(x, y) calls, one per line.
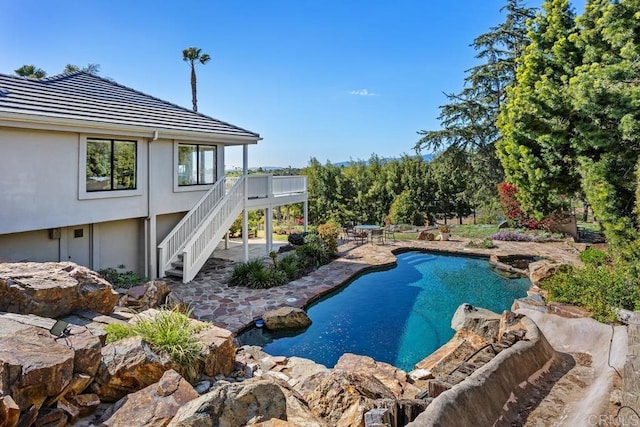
point(367, 228)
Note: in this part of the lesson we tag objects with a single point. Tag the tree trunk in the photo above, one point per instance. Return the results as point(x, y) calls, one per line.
point(194, 95)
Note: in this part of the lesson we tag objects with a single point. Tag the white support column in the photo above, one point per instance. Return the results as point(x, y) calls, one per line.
point(226, 240)
point(268, 228)
point(305, 207)
point(245, 159)
point(245, 233)
point(245, 213)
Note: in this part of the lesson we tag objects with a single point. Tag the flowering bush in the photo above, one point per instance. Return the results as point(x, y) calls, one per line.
point(511, 236)
point(511, 207)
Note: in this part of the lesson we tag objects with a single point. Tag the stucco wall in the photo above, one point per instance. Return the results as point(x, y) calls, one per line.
point(39, 184)
point(165, 198)
point(30, 246)
point(481, 398)
point(165, 224)
point(119, 243)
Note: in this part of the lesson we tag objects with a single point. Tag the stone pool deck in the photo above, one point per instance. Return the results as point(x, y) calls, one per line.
point(234, 308)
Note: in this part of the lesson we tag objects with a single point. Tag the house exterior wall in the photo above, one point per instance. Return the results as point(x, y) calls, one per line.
point(29, 246)
point(164, 224)
point(39, 184)
point(42, 188)
point(118, 243)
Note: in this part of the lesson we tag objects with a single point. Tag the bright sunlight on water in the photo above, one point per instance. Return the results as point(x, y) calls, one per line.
point(398, 316)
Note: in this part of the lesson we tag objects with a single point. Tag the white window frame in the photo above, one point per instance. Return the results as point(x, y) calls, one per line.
point(83, 194)
point(196, 187)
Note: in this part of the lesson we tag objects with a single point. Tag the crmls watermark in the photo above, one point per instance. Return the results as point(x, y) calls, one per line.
point(628, 420)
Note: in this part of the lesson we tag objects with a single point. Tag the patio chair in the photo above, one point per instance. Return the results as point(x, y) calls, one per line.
point(390, 231)
point(348, 232)
point(377, 235)
point(360, 236)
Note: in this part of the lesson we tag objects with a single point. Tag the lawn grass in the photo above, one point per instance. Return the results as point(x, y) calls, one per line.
point(479, 231)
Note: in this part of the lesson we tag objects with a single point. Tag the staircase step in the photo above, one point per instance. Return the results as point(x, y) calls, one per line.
point(178, 264)
point(174, 272)
point(180, 256)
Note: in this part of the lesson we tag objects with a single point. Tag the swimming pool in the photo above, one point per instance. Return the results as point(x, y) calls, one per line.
point(399, 315)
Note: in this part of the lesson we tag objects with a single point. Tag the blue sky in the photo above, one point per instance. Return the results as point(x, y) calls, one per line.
point(332, 79)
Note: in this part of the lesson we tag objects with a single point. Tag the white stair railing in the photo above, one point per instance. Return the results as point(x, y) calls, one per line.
point(169, 248)
point(213, 228)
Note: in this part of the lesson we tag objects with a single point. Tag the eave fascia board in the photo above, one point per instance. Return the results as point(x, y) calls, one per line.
point(29, 121)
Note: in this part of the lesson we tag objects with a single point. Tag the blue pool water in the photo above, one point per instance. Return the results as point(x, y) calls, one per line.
point(398, 316)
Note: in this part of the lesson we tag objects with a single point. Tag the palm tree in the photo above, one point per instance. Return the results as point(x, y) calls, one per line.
point(90, 68)
point(31, 71)
point(191, 55)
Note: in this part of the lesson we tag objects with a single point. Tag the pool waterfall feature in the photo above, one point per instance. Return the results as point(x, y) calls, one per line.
point(398, 315)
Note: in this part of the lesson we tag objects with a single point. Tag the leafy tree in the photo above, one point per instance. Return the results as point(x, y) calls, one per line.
point(468, 120)
point(89, 68)
point(537, 120)
point(605, 96)
point(451, 172)
point(31, 71)
point(193, 55)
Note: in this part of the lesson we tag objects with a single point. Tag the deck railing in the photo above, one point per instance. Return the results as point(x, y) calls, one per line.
point(284, 185)
point(169, 248)
point(198, 249)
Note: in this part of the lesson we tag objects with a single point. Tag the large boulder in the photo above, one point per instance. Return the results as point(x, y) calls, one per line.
point(286, 318)
point(154, 405)
point(220, 351)
point(34, 367)
point(234, 404)
point(342, 398)
point(480, 321)
point(539, 271)
point(53, 289)
point(393, 378)
point(150, 295)
point(127, 366)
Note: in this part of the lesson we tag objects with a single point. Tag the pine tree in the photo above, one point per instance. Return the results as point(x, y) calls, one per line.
point(468, 120)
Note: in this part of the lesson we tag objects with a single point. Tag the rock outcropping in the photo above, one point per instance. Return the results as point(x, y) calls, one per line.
point(53, 289)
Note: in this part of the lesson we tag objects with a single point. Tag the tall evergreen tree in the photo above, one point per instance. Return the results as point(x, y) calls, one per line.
point(606, 97)
point(537, 121)
point(468, 121)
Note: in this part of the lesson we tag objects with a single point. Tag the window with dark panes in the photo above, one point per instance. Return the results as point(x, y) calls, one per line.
point(196, 164)
point(111, 165)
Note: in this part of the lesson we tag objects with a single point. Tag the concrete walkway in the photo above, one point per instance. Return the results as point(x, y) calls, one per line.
point(212, 299)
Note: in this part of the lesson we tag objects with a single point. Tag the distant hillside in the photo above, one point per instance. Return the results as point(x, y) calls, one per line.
point(426, 157)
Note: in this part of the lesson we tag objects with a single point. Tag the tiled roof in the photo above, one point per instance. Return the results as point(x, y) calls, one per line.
point(85, 97)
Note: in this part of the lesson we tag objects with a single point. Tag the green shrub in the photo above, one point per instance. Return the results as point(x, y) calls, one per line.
point(242, 271)
point(597, 288)
point(297, 239)
point(313, 255)
point(171, 333)
point(266, 278)
point(174, 334)
point(329, 233)
point(255, 274)
point(594, 257)
point(484, 243)
point(290, 265)
point(121, 279)
point(118, 331)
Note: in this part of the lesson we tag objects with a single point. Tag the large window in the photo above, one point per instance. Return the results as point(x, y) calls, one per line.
point(111, 165)
point(196, 164)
